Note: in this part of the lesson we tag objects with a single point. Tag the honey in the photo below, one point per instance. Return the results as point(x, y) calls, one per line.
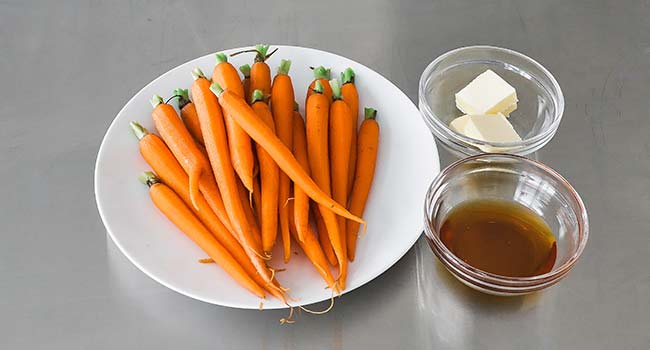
point(501, 237)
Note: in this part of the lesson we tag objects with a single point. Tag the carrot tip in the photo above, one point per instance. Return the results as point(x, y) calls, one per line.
point(139, 130)
point(370, 113)
point(221, 57)
point(155, 101)
point(197, 73)
point(347, 76)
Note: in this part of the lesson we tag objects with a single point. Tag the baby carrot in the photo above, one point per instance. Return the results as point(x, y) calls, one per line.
point(324, 238)
point(262, 134)
point(351, 97)
point(340, 138)
point(163, 163)
point(300, 198)
point(323, 75)
point(177, 212)
point(309, 244)
point(214, 134)
point(241, 149)
point(282, 99)
point(260, 72)
point(319, 161)
point(181, 143)
point(270, 179)
point(246, 82)
point(188, 114)
point(368, 143)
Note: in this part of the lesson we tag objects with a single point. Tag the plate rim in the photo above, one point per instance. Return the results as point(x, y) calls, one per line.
point(368, 278)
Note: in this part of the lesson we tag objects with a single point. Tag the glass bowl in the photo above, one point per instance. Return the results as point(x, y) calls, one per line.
point(539, 109)
point(514, 178)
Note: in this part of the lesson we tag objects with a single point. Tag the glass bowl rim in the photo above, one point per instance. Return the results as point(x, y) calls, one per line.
point(445, 131)
point(560, 272)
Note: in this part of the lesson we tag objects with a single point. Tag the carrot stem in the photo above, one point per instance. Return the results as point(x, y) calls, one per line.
point(197, 73)
point(318, 87)
point(347, 76)
point(139, 130)
point(257, 95)
point(370, 113)
point(221, 57)
point(321, 72)
point(284, 67)
point(156, 100)
point(148, 178)
point(245, 70)
point(336, 89)
point(183, 97)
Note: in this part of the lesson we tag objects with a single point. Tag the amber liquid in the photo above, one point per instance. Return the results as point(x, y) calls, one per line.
point(501, 237)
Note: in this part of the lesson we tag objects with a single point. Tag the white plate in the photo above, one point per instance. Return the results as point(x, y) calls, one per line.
point(407, 162)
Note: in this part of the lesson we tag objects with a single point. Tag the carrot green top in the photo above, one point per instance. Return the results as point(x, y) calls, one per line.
point(347, 76)
point(245, 70)
point(156, 100)
point(149, 178)
point(221, 57)
point(336, 89)
point(318, 87)
point(197, 73)
point(257, 95)
point(285, 65)
point(321, 72)
point(370, 113)
point(183, 97)
point(216, 89)
point(139, 130)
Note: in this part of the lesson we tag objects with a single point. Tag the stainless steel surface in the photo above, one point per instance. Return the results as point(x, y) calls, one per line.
point(67, 68)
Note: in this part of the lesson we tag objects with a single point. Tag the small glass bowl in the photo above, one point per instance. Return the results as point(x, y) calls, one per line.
point(539, 110)
point(514, 178)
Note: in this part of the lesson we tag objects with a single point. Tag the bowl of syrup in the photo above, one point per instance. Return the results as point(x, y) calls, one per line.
point(504, 224)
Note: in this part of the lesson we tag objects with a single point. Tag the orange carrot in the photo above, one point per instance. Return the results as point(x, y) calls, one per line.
point(214, 134)
point(262, 134)
point(324, 238)
point(180, 142)
point(323, 75)
point(340, 138)
point(317, 111)
point(300, 198)
point(162, 161)
point(260, 72)
point(257, 198)
point(241, 149)
point(269, 176)
point(309, 244)
point(246, 82)
point(282, 99)
point(351, 97)
point(368, 143)
point(177, 212)
point(188, 114)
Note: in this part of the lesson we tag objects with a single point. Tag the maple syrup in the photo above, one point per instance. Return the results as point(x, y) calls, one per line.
point(501, 237)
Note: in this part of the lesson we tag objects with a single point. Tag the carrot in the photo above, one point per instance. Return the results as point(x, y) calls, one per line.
point(270, 179)
point(309, 244)
point(188, 114)
point(351, 97)
point(368, 143)
point(317, 111)
point(180, 142)
point(241, 149)
point(323, 75)
point(324, 239)
point(262, 134)
point(340, 138)
point(177, 212)
point(162, 161)
point(214, 134)
point(300, 198)
point(260, 72)
point(257, 198)
point(246, 82)
point(282, 99)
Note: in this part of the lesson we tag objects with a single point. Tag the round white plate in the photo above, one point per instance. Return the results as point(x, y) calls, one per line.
point(406, 164)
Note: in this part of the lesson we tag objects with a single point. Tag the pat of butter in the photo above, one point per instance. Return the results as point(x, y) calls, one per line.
point(490, 128)
point(488, 93)
point(459, 124)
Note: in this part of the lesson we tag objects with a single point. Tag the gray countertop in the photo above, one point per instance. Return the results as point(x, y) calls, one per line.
point(67, 69)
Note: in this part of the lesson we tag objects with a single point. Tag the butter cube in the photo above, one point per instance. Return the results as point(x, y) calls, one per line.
point(488, 93)
point(491, 128)
point(459, 124)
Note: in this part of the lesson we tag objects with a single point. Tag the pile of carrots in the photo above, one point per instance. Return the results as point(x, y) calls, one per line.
point(240, 168)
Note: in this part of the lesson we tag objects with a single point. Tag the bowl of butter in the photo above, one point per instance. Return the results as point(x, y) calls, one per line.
point(484, 99)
